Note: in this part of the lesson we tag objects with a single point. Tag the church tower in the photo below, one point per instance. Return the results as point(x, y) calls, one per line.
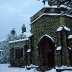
point(44, 25)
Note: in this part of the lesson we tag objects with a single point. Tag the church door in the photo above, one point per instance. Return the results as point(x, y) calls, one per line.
point(46, 49)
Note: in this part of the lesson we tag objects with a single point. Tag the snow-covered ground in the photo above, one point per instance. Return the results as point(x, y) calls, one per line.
point(7, 68)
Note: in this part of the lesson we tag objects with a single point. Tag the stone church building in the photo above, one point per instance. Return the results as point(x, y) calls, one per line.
point(50, 44)
point(52, 37)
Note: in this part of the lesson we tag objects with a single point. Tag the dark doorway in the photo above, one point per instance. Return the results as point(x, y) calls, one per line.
point(18, 53)
point(46, 48)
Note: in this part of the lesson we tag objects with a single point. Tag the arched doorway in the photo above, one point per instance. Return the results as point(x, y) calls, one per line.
point(46, 48)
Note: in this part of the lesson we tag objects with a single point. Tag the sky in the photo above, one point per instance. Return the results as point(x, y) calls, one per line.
point(14, 13)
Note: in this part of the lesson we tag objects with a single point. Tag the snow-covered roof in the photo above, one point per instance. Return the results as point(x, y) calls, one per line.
point(63, 27)
point(24, 35)
point(64, 6)
point(70, 37)
point(56, 6)
point(47, 36)
point(44, 14)
point(29, 50)
point(59, 48)
point(18, 40)
point(53, 14)
point(28, 34)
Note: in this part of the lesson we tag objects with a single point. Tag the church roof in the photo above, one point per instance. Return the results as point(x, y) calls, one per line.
point(20, 40)
point(63, 27)
point(56, 6)
point(52, 14)
point(24, 35)
point(46, 11)
point(43, 15)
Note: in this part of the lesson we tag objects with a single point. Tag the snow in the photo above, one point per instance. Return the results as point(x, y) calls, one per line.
point(1, 50)
point(63, 67)
point(57, 14)
point(5, 39)
point(70, 36)
point(11, 37)
point(46, 4)
point(28, 34)
point(56, 6)
point(43, 15)
point(7, 68)
point(53, 6)
point(58, 48)
point(66, 28)
point(51, 14)
point(33, 66)
point(64, 6)
point(24, 35)
point(29, 50)
point(61, 27)
point(47, 36)
point(69, 48)
point(53, 70)
point(18, 40)
point(66, 71)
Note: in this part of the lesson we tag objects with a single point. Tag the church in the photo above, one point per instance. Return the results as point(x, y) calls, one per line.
point(50, 44)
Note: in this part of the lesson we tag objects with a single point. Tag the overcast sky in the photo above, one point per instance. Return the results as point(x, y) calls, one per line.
point(14, 13)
